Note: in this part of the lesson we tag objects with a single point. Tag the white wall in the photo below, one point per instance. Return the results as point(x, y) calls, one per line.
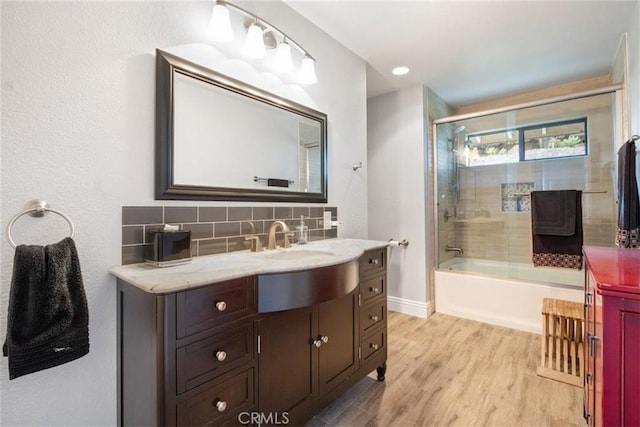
point(397, 159)
point(78, 131)
point(633, 40)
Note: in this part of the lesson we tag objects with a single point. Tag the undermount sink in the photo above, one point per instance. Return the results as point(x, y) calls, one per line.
point(298, 254)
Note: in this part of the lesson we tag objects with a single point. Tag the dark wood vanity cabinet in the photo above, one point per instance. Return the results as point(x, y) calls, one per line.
point(373, 311)
point(304, 354)
point(207, 356)
point(187, 358)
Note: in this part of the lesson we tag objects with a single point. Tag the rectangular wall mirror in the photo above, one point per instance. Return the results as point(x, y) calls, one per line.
point(218, 138)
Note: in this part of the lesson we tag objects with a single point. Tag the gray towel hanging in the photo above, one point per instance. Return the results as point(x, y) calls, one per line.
point(628, 230)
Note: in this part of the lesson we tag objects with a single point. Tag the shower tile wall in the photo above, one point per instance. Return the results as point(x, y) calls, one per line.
point(216, 229)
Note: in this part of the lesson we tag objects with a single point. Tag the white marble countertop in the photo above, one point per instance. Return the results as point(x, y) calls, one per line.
point(209, 269)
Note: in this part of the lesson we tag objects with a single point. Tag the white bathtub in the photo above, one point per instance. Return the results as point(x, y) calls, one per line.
point(502, 293)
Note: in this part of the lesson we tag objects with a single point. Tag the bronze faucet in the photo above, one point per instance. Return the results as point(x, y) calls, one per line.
point(271, 242)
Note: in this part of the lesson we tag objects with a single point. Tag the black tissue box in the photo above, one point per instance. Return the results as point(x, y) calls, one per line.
point(169, 248)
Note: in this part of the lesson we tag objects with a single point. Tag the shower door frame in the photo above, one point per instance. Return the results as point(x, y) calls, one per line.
point(619, 128)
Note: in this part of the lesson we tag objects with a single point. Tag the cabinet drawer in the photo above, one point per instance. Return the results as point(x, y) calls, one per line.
point(214, 305)
point(373, 287)
point(373, 262)
point(218, 403)
point(373, 316)
point(209, 358)
point(374, 344)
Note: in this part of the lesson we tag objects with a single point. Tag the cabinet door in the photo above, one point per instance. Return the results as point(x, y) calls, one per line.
point(589, 350)
point(287, 359)
point(337, 329)
point(630, 369)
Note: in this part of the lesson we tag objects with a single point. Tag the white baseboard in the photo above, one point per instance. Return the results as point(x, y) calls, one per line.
point(410, 307)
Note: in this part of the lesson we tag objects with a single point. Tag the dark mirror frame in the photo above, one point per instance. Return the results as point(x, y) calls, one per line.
point(167, 65)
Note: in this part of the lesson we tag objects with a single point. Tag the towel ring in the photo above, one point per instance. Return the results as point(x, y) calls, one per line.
point(37, 209)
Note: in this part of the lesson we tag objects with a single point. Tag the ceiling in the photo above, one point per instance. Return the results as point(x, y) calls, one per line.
point(470, 51)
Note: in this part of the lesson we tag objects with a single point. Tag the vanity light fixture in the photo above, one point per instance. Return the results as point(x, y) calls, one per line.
point(282, 62)
point(258, 31)
point(308, 71)
point(254, 43)
point(220, 25)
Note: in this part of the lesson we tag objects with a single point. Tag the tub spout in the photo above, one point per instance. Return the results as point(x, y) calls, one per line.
point(453, 249)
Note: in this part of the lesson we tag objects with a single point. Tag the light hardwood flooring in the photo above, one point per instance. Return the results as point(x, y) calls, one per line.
point(447, 371)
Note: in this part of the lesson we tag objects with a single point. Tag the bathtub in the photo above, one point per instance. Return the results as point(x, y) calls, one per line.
point(502, 293)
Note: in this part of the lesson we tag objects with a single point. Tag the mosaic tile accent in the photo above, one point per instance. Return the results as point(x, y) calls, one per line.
point(516, 197)
point(216, 230)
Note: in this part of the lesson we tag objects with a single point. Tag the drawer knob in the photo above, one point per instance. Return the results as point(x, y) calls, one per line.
point(325, 339)
point(374, 346)
point(317, 343)
point(221, 355)
point(374, 318)
point(374, 290)
point(221, 405)
point(373, 261)
point(221, 305)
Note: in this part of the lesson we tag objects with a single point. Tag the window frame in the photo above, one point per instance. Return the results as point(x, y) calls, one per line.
point(520, 130)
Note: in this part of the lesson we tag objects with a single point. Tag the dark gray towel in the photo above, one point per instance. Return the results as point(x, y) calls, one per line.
point(48, 318)
point(628, 230)
point(553, 213)
point(564, 248)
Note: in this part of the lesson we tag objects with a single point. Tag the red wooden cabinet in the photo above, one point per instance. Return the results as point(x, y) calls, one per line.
point(612, 337)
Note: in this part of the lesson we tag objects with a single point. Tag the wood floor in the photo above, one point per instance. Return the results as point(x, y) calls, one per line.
point(447, 371)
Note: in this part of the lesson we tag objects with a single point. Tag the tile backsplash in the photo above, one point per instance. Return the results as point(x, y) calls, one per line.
point(216, 229)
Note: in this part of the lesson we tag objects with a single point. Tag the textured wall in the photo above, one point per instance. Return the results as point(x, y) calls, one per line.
point(78, 130)
point(634, 68)
point(397, 165)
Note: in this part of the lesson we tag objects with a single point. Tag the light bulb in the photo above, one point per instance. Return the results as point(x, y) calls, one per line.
point(254, 44)
point(220, 25)
point(282, 62)
point(308, 71)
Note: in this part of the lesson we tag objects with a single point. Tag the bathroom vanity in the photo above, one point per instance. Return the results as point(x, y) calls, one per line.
point(612, 332)
point(248, 338)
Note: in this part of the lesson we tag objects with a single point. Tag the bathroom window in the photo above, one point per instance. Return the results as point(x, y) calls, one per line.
point(535, 142)
point(565, 139)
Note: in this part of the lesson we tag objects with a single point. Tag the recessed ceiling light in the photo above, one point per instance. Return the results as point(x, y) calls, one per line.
point(400, 71)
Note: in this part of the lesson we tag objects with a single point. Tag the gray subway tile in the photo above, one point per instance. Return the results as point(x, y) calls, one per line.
point(141, 215)
point(132, 235)
point(316, 212)
point(212, 246)
point(226, 229)
point(200, 230)
point(283, 212)
point(333, 210)
point(133, 254)
point(263, 212)
point(238, 244)
point(212, 214)
point(180, 214)
point(331, 234)
point(238, 213)
point(251, 227)
point(300, 211)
